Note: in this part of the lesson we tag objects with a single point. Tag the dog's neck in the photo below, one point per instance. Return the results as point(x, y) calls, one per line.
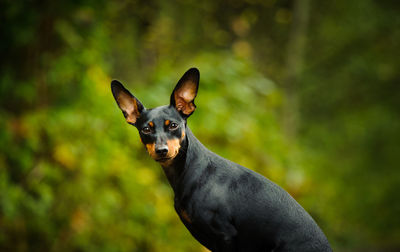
point(188, 157)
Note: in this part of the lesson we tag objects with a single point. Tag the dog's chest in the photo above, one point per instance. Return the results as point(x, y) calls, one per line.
point(198, 227)
point(184, 215)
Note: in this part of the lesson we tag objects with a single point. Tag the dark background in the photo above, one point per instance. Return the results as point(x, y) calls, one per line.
point(304, 92)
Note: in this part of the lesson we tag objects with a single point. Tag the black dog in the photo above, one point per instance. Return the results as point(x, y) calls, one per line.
point(225, 206)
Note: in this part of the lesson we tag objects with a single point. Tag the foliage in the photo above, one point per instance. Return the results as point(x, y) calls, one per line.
point(74, 176)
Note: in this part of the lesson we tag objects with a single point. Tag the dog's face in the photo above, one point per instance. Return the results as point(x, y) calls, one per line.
point(161, 129)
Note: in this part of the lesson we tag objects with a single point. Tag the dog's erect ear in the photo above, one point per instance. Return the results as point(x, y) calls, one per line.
point(182, 98)
point(130, 106)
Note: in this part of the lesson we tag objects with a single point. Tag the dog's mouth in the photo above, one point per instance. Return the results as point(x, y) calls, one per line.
point(166, 159)
point(163, 159)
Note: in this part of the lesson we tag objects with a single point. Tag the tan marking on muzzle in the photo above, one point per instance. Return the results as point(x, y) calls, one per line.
point(173, 147)
point(151, 149)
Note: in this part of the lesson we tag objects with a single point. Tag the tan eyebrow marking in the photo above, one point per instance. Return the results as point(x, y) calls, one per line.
point(167, 122)
point(151, 124)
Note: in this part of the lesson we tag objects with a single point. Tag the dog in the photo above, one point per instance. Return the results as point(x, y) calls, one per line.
point(224, 205)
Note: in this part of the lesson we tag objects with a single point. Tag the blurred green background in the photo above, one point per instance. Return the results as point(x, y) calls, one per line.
point(304, 92)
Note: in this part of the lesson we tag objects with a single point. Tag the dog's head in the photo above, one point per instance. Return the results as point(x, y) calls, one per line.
point(161, 129)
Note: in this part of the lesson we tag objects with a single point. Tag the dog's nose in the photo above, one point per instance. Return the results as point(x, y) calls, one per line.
point(162, 150)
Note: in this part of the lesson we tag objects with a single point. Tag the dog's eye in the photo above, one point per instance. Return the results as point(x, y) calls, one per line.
point(173, 126)
point(146, 130)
